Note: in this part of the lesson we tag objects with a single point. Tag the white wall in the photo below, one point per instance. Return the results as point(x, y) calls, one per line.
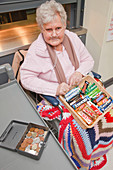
point(97, 17)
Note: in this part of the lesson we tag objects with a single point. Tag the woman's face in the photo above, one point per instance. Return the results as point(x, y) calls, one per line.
point(53, 32)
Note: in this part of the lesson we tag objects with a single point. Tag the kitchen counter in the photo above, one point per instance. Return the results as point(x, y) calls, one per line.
point(21, 37)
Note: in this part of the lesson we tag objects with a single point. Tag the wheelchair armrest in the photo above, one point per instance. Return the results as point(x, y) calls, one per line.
point(51, 99)
point(96, 75)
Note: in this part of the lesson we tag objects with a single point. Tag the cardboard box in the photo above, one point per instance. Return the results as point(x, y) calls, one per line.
point(74, 113)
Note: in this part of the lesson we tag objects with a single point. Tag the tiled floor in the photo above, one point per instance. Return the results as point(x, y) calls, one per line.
point(109, 165)
point(110, 90)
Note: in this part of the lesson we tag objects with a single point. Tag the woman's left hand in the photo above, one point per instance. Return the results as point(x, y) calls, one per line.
point(75, 78)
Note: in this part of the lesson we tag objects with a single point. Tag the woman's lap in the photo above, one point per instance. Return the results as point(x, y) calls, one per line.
point(82, 145)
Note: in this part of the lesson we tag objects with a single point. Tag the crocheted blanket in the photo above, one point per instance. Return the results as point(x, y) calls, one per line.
point(86, 147)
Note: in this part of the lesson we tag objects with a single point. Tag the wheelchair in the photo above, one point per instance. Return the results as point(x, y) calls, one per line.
point(37, 98)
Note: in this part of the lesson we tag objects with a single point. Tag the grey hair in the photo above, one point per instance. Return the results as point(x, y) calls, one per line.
point(47, 12)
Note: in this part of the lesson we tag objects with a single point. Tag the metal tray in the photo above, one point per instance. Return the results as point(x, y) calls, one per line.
point(15, 133)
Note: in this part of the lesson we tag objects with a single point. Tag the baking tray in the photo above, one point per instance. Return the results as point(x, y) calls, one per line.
point(16, 132)
point(78, 118)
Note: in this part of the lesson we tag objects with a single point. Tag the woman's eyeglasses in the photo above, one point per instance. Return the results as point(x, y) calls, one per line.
point(55, 31)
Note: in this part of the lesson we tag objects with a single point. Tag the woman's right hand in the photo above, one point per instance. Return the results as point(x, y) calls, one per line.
point(62, 89)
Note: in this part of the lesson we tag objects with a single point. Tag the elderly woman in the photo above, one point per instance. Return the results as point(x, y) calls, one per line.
point(55, 61)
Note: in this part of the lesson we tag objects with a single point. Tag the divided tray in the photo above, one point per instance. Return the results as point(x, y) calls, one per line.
point(76, 116)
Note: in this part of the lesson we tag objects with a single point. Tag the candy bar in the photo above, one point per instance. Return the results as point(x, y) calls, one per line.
point(77, 104)
point(84, 87)
point(85, 117)
point(106, 105)
point(99, 98)
point(73, 94)
point(95, 93)
point(75, 98)
point(90, 113)
point(71, 91)
point(102, 102)
point(92, 92)
point(94, 108)
point(90, 86)
point(93, 88)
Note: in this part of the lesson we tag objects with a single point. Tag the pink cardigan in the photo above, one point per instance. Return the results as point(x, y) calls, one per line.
point(37, 72)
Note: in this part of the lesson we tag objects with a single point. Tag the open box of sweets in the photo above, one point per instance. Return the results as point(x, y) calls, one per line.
point(88, 102)
point(28, 139)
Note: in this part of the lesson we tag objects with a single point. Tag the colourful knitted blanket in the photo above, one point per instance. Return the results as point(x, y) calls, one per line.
point(86, 147)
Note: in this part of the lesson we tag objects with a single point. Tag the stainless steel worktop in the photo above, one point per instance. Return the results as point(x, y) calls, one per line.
point(21, 37)
point(18, 37)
